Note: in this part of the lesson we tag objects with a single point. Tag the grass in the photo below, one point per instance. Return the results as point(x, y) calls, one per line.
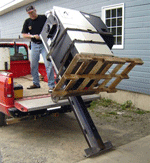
point(141, 111)
point(110, 103)
point(126, 106)
point(105, 102)
point(93, 105)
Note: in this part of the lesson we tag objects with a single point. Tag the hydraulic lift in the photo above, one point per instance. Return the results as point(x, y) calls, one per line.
point(78, 45)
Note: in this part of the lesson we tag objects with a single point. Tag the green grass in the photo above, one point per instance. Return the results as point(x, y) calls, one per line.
point(141, 111)
point(93, 105)
point(105, 102)
point(110, 103)
point(126, 106)
point(102, 102)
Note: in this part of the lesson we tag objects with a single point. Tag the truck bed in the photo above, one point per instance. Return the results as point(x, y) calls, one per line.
point(26, 81)
point(37, 99)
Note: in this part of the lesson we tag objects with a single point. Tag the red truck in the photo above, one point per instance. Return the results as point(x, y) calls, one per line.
point(15, 100)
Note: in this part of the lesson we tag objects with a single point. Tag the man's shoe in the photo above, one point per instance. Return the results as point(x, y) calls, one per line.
point(50, 89)
point(33, 86)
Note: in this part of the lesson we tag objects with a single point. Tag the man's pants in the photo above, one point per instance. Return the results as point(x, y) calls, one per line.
point(36, 50)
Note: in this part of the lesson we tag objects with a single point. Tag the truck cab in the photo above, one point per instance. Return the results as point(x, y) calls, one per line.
point(19, 58)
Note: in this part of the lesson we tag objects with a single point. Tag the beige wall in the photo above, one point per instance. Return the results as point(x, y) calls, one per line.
point(141, 101)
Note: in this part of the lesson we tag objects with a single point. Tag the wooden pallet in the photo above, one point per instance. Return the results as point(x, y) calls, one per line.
point(88, 74)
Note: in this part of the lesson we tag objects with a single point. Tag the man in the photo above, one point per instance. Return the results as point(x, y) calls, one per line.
point(31, 29)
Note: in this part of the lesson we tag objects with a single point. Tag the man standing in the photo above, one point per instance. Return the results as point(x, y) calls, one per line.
point(31, 29)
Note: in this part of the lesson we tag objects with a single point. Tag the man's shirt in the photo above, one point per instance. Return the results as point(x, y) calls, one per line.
point(34, 27)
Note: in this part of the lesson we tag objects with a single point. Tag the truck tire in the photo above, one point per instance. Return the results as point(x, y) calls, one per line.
point(2, 119)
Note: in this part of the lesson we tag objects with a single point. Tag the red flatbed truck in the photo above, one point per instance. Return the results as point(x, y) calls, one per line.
point(15, 99)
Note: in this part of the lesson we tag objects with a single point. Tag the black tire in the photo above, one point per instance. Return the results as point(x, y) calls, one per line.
point(2, 119)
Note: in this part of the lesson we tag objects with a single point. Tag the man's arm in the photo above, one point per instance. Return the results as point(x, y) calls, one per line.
point(25, 31)
point(29, 36)
point(25, 35)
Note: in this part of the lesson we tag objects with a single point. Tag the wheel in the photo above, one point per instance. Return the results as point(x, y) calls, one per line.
point(54, 98)
point(2, 119)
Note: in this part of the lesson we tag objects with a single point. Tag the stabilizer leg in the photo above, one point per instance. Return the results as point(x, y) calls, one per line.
point(96, 145)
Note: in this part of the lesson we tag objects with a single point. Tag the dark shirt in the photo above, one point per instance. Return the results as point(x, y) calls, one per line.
point(34, 27)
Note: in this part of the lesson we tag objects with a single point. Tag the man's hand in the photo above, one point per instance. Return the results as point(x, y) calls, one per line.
point(36, 37)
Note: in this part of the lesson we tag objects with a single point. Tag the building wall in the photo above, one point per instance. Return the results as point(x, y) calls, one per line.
point(137, 32)
point(137, 41)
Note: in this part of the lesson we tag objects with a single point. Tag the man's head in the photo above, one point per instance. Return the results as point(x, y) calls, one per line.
point(31, 12)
